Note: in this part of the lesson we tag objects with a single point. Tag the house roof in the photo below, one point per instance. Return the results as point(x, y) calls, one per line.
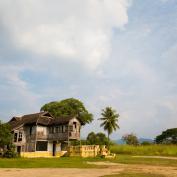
point(41, 118)
point(38, 118)
point(61, 120)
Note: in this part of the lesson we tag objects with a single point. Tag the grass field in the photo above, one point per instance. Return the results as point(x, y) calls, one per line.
point(158, 150)
point(127, 166)
point(77, 162)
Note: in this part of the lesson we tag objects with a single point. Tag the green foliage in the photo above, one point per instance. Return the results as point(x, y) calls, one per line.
point(5, 135)
point(10, 153)
point(97, 139)
point(109, 120)
point(167, 137)
point(130, 139)
point(69, 107)
point(159, 150)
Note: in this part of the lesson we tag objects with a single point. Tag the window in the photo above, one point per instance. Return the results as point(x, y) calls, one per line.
point(75, 125)
point(60, 128)
point(51, 130)
point(15, 137)
point(41, 145)
point(57, 129)
point(63, 128)
point(30, 131)
point(20, 136)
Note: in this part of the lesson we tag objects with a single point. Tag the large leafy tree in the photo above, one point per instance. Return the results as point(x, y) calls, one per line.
point(69, 107)
point(167, 137)
point(5, 135)
point(109, 120)
point(99, 139)
point(130, 139)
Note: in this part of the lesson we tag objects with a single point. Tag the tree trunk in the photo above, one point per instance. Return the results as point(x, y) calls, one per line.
point(108, 141)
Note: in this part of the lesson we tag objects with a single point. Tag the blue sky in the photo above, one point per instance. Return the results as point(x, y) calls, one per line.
point(119, 53)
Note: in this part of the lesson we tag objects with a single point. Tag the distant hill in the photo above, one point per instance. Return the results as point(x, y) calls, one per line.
point(145, 139)
point(120, 141)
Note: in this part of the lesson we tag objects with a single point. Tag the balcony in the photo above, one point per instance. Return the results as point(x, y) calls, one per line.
point(58, 136)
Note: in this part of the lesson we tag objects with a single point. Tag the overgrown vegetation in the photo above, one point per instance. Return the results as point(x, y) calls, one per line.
point(68, 107)
point(5, 135)
point(162, 150)
point(98, 139)
point(10, 152)
point(130, 139)
point(167, 137)
point(6, 146)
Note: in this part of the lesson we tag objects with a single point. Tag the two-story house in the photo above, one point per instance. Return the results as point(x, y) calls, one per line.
point(41, 135)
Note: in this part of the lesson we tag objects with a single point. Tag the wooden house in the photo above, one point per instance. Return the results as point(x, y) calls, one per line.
point(42, 135)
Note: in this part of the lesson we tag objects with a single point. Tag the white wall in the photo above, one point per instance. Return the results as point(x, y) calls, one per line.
point(42, 129)
point(50, 146)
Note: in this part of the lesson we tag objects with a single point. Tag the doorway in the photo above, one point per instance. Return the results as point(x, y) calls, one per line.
point(54, 148)
point(19, 149)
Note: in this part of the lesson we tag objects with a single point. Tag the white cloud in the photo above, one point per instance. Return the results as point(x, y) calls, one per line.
point(74, 30)
point(138, 80)
point(15, 92)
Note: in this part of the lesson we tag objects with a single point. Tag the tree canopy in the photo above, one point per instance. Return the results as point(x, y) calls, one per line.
point(130, 139)
point(98, 139)
point(67, 107)
point(5, 135)
point(167, 137)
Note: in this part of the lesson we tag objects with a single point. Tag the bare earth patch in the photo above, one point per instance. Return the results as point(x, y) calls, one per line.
point(110, 168)
point(156, 157)
point(166, 171)
point(58, 172)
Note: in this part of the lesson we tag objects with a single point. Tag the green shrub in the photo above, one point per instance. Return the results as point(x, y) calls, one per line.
point(10, 154)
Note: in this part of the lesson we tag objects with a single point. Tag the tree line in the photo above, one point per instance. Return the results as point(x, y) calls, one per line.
point(109, 121)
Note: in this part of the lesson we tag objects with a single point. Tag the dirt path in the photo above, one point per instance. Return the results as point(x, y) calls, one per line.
point(110, 168)
point(60, 172)
point(157, 157)
point(167, 171)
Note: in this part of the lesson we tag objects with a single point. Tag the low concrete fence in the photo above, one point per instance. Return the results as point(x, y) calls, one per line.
point(84, 150)
point(39, 154)
point(80, 151)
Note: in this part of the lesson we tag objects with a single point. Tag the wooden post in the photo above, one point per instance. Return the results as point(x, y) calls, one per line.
point(68, 134)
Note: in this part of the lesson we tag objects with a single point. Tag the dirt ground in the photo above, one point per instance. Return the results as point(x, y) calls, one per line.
point(157, 157)
point(110, 168)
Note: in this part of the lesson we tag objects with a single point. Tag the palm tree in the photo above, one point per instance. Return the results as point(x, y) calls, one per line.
point(110, 120)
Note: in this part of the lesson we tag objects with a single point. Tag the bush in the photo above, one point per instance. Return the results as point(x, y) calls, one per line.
point(10, 153)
